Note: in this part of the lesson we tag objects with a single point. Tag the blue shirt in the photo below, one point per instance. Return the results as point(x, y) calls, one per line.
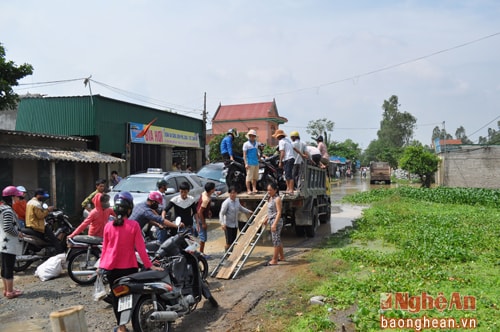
point(143, 214)
point(251, 153)
point(226, 145)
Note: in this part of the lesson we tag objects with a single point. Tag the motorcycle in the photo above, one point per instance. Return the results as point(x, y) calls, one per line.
point(36, 248)
point(82, 258)
point(236, 174)
point(155, 299)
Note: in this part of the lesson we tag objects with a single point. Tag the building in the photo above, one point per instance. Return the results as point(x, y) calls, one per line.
point(469, 166)
point(145, 137)
point(263, 117)
point(60, 164)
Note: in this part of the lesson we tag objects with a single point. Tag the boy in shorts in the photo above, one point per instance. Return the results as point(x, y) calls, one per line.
point(203, 213)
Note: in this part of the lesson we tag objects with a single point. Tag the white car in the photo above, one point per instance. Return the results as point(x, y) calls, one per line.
point(140, 185)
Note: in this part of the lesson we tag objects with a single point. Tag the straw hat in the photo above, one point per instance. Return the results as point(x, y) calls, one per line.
point(279, 133)
point(251, 132)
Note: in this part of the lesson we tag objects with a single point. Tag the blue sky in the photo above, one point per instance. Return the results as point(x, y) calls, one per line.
point(311, 56)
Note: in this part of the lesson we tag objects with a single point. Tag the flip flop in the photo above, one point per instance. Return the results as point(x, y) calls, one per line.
point(269, 264)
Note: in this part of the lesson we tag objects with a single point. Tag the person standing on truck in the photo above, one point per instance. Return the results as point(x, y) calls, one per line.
point(300, 153)
point(251, 159)
point(226, 145)
point(275, 220)
point(325, 158)
point(286, 160)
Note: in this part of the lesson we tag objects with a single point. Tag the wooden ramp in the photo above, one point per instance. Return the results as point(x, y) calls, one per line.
point(237, 254)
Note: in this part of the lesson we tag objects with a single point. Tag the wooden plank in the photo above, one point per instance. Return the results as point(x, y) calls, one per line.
point(240, 248)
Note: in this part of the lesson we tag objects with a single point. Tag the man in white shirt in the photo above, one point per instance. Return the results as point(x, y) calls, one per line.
point(286, 160)
point(300, 153)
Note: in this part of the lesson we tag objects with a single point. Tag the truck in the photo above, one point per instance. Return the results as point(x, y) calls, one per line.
point(380, 171)
point(307, 207)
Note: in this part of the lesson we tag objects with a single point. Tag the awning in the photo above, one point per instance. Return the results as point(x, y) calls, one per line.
point(54, 154)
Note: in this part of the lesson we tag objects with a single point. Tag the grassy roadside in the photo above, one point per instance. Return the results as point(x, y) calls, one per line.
point(443, 242)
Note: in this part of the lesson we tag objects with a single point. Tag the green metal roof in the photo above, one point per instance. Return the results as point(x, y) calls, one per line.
point(96, 116)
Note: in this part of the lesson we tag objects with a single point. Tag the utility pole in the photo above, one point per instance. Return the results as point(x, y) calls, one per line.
point(204, 134)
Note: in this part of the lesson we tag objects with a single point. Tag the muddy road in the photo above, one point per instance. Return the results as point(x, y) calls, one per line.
point(240, 300)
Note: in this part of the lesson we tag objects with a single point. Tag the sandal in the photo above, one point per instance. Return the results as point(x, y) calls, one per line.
point(15, 293)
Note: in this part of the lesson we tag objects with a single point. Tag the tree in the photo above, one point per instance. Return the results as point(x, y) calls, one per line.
point(10, 74)
point(321, 127)
point(347, 149)
point(214, 145)
point(396, 128)
point(417, 160)
point(460, 134)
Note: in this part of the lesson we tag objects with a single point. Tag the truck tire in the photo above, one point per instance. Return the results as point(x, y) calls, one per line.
point(299, 231)
point(311, 229)
point(324, 218)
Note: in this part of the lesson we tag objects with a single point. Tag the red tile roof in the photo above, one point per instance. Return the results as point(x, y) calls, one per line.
point(247, 111)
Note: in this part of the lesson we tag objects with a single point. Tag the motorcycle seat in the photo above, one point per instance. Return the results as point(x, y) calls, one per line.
point(29, 231)
point(148, 275)
point(88, 239)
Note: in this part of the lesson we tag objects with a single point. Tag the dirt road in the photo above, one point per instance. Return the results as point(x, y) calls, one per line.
point(241, 300)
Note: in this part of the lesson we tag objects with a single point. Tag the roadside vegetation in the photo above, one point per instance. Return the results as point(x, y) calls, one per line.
point(411, 240)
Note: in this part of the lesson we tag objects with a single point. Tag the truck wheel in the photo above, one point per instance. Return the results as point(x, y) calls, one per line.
point(299, 230)
point(324, 218)
point(311, 229)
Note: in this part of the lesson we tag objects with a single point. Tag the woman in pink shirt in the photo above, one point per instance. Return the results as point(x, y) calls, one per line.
point(122, 238)
point(97, 218)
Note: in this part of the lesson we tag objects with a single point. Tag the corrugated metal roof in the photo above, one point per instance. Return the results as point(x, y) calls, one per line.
point(59, 137)
point(46, 153)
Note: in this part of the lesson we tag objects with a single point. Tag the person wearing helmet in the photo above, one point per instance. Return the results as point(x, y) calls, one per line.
point(184, 206)
point(97, 218)
point(9, 240)
point(300, 153)
point(20, 207)
point(261, 147)
point(147, 214)
point(226, 145)
point(122, 238)
point(35, 219)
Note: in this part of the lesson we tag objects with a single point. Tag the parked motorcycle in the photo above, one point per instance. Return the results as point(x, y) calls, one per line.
point(82, 257)
point(236, 174)
point(155, 299)
point(35, 248)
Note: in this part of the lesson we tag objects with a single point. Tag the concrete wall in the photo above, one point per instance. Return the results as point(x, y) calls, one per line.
point(473, 166)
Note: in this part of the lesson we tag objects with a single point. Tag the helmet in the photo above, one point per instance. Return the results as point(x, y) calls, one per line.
point(125, 196)
point(155, 197)
point(262, 145)
point(21, 189)
point(232, 131)
point(161, 183)
point(11, 191)
point(122, 207)
point(294, 134)
point(320, 138)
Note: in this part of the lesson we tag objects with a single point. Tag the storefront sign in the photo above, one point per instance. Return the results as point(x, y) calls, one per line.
point(140, 133)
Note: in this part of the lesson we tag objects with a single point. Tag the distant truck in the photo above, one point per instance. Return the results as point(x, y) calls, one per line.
point(305, 209)
point(380, 171)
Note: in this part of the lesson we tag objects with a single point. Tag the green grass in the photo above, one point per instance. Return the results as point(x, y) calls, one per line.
point(413, 240)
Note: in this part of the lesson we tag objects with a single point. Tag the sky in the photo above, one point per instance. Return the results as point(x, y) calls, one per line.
point(317, 59)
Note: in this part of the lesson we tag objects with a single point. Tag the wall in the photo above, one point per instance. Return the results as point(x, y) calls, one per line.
point(472, 166)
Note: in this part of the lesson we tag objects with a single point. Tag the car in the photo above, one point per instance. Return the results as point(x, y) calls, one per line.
point(141, 184)
point(214, 172)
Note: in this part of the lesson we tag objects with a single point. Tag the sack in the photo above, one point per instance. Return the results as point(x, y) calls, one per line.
point(51, 268)
point(99, 289)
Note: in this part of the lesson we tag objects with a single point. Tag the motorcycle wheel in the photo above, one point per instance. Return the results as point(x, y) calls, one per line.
point(78, 262)
point(140, 317)
point(203, 267)
point(208, 295)
point(23, 265)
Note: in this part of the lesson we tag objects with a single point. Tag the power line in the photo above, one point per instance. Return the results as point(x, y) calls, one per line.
point(371, 72)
